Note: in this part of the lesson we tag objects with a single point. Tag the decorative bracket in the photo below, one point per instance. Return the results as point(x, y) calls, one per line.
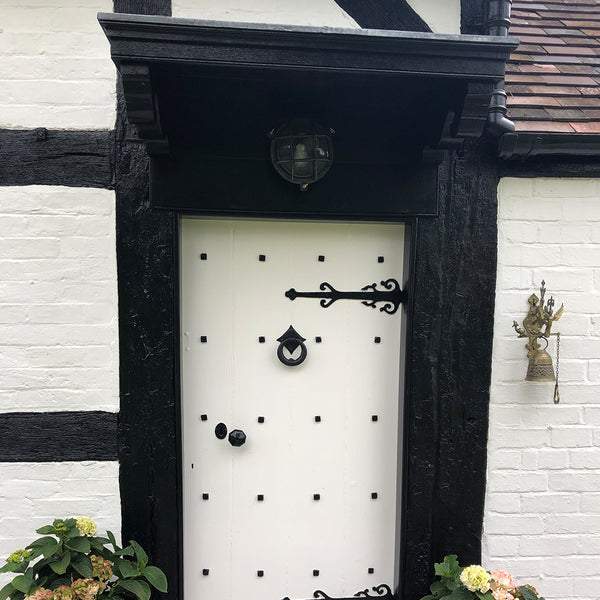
point(391, 297)
point(382, 592)
point(142, 107)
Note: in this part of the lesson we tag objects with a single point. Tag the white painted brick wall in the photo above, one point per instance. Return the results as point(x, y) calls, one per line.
point(34, 494)
point(58, 299)
point(542, 516)
point(55, 67)
point(316, 13)
point(443, 16)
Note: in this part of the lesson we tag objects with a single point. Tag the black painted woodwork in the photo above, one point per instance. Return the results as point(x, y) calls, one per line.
point(551, 166)
point(529, 145)
point(149, 444)
point(58, 436)
point(450, 369)
point(473, 16)
point(450, 292)
point(384, 14)
point(426, 78)
point(56, 157)
point(143, 7)
point(149, 454)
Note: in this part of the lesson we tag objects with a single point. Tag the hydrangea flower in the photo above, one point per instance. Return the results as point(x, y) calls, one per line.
point(87, 589)
point(19, 556)
point(475, 578)
point(86, 526)
point(64, 592)
point(40, 594)
point(102, 569)
point(502, 585)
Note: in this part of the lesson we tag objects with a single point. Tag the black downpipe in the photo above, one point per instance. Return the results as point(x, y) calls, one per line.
point(498, 23)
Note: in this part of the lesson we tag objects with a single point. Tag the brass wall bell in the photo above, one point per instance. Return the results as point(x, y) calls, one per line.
point(540, 366)
point(537, 327)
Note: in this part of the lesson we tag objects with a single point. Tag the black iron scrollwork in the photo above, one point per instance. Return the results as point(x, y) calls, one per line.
point(391, 296)
point(289, 343)
point(382, 592)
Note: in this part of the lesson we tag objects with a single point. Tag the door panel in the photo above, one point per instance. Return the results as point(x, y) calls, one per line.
point(330, 424)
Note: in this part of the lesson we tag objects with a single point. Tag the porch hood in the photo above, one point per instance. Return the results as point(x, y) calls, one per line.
point(207, 93)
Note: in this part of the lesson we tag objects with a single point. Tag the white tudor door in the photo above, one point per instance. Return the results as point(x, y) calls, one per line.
point(309, 500)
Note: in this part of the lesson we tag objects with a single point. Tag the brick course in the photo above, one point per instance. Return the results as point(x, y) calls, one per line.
point(55, 67)
point(58, 299)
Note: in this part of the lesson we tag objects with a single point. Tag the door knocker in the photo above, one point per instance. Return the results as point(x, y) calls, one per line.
point(289, 343)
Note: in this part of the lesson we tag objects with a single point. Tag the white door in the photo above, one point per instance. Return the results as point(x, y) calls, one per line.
point(309, 500)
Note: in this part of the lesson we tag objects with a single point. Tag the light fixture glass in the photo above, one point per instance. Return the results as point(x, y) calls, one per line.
point(301, 151)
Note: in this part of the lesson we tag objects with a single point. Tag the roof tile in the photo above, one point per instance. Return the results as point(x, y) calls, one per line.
point(532, 101)
point(553, 78)
point(544, 126)
point(592, 127)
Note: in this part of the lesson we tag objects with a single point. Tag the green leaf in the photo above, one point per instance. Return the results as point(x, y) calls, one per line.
point(23, 582)
point(11, 567)
point(112, 540)
point(460, 593)
point(83, 565)
point(142, 557)
point(56, 583)
point(47, 545)
point(134, 587)
point(437, 587)
point(145, 586)
point(485, 596)
point(6, 591)
point(157, 578)
point(79, 544)
point(96, 545)
point(449, 568)
point(125, 552)
point(46, 529)
point(527, 593)
point(127, 568)
point(60, 565)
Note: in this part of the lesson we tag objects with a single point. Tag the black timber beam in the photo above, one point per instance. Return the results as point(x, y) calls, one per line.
point(58, 436)
point(56, 157)
point(384, 14)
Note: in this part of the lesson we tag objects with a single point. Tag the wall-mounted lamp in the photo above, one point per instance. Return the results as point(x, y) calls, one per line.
point(537, 327)
point(301, 151)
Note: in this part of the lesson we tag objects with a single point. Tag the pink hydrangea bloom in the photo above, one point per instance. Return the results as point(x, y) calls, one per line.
point(503, 579)
point(502, 585)
point(40, 594)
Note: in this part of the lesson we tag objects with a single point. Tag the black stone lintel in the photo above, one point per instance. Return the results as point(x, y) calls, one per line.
point(525, 145)
point(56, 157)
point(58, 436)
point(141, 44)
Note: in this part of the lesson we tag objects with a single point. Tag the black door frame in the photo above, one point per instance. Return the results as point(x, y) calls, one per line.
point(447, 378)
point(449, 333)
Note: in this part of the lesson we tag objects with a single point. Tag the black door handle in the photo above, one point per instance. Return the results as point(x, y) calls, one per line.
point(236, 437)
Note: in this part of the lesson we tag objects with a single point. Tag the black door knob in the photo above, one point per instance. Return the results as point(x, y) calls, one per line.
point(237, 438)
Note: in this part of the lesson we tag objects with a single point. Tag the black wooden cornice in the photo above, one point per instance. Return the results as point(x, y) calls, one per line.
point(140, 44)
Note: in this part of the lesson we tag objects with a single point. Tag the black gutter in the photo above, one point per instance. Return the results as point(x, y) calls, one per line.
point(520, 145)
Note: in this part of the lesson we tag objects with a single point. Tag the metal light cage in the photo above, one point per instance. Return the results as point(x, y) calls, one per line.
point(301, 151)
